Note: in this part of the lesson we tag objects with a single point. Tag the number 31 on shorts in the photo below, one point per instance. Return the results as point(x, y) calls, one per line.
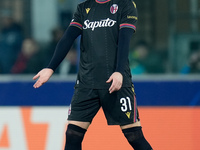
point(126, 103)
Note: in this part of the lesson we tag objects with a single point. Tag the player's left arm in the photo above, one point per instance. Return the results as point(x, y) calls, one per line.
point(127, 28)
point(116, 78)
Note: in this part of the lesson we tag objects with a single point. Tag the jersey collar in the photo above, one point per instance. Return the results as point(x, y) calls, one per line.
point(102, 2)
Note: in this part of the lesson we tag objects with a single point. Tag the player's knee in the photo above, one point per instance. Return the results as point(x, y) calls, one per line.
point(81, 124)
point(136, 138)
point(74, 137)
point(135, 124)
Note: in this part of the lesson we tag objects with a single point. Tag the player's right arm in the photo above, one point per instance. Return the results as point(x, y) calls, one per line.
point(61, 51)
point(62, 48)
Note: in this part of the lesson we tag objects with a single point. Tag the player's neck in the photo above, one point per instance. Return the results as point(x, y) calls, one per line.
point(102, 1)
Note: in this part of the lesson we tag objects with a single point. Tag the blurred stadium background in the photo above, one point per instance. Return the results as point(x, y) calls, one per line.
point(164, 60)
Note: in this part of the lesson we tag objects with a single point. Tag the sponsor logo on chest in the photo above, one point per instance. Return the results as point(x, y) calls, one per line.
point(99, 24)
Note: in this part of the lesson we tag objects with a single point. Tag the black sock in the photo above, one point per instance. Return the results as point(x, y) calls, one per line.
point(136, 138)
point(74, 137)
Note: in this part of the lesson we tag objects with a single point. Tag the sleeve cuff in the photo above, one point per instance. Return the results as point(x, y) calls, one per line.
point(127, 25)
point(76, 24)
point(120, 70)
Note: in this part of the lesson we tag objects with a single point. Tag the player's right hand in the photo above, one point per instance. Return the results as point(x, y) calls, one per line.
point(44, 75)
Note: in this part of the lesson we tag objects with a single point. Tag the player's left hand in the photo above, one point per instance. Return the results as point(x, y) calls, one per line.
point(117, 79)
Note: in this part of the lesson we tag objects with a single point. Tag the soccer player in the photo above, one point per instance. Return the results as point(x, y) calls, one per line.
point(104, 79)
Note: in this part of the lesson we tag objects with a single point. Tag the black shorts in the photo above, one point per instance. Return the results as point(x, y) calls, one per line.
point(120, 107)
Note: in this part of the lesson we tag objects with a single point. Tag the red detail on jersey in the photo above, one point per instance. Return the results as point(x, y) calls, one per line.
point(135, 110)
point(101, 2)
point(76, 24)
point(126, 25)
point(69, 111)
point(114, 8)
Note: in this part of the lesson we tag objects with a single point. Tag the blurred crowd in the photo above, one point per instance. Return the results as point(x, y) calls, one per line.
point(20, 55)
point(145, 60)
point(193, 64)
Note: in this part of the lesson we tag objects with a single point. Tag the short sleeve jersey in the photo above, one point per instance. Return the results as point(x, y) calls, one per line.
point(100, 22)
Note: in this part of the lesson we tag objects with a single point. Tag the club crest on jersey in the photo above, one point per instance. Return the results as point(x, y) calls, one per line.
point(114, 8)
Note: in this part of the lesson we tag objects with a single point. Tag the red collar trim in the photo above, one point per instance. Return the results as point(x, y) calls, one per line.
point(102, 2)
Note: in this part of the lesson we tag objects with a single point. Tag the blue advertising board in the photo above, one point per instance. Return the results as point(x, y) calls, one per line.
point(59, 93)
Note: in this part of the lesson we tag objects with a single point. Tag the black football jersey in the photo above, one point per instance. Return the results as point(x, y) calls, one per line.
point(100, 22)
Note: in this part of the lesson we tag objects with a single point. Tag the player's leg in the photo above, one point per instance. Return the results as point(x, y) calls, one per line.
point(81, 124)
point(75, 134)
point(84, 106)
point(120, 108)
point(134, 135)
point(133, 131)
